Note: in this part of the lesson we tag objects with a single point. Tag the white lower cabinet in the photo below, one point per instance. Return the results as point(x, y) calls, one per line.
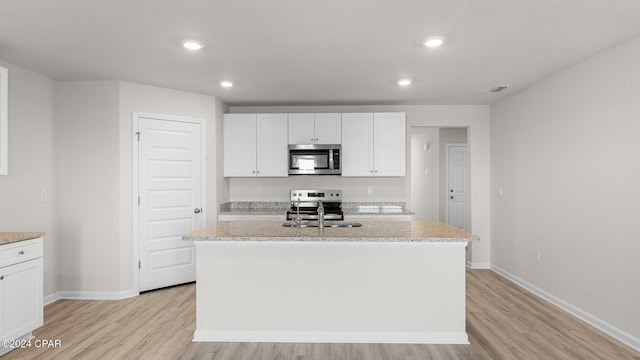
point(21, 300)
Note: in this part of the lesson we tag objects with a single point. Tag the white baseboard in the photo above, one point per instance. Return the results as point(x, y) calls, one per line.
point(331, 337)
point(51, 298)
point(573, 310)
point(88, 295)
point(479, 266)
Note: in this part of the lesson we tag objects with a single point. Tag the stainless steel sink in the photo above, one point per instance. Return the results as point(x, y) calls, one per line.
point(335, 224)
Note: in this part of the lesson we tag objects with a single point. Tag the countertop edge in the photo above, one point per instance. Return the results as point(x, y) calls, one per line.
point(327, 239)
point(17, 236)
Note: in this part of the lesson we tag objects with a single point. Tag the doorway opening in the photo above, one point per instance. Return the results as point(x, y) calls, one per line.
point(431, 176)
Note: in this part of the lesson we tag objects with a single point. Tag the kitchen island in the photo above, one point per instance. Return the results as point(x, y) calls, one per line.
point(384, 282)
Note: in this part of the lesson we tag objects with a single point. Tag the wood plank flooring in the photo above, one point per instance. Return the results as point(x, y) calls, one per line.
point(504, 321)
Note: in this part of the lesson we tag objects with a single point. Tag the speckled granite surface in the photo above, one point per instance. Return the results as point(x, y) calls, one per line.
point(255, 207)
point(281, 207)
point(366, 208)
point(11, 237)
point(378, 231)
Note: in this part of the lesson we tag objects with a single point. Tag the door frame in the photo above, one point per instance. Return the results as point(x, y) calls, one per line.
point(136, 181)
point(446, 183)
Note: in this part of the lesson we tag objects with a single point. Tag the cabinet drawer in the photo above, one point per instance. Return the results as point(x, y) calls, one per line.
point(20, 251)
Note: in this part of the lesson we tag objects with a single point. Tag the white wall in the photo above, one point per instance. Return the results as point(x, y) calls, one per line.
point(473, 117)
point(87, 174)
point(31, 163)
point(424, 170)
point(565, 153)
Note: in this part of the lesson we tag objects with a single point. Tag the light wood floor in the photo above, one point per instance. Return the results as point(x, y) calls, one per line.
point(503, 322)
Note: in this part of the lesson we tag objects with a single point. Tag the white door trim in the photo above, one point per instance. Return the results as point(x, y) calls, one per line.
point(134, 201)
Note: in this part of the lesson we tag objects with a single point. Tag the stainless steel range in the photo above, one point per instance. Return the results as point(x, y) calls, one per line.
point(307, 202)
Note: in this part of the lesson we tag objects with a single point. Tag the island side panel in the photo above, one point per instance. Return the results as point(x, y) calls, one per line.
point(330, 292)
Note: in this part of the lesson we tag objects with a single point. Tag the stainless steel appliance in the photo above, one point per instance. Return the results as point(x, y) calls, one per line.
point(307, 202)
point(315, 159)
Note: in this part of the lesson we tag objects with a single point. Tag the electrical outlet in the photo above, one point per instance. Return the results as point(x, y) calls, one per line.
point(370, 190)
point(43, 196)
point(499, 191)
point(537, 255)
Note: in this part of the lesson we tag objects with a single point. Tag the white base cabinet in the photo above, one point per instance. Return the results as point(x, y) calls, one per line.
point(21, 300)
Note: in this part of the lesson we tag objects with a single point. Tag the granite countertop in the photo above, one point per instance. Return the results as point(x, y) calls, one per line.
point(281, 207)
point(378, 231)
point(11, 237)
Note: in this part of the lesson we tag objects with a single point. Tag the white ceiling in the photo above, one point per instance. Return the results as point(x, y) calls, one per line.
point(314, 52)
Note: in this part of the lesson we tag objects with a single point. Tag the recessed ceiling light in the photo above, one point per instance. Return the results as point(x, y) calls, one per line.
point(433, 42)
point(192, 45)
point(226, 83)
point(404, 82)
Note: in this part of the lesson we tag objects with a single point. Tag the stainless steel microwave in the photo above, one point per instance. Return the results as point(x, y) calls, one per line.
point(314, 160)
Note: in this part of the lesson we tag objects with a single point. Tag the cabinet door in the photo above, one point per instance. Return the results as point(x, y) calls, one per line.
point(239, 145)
point(301, 129)
point(389, 132)
point(21, 300)
point(272, 150)
point(328, 129)
point(357, 144)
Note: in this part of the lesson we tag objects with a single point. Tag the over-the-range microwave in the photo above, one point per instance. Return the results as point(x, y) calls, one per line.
point(314, 160)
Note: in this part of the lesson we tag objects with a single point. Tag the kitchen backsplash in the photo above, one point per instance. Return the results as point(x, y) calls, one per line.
point(248, 207)
point(353, 189)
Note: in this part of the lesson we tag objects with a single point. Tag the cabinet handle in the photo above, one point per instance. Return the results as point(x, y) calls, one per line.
point(1, 277)
point(21, 252)
point(316, 139)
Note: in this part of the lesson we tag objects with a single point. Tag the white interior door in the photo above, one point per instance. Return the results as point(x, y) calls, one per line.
point(170, 200)
point(456, 158)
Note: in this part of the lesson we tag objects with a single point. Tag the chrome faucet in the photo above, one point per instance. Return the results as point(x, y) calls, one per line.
point(320, 215)
point(298, 220)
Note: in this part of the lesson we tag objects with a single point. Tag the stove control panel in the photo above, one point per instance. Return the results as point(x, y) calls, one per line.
point(315, 195)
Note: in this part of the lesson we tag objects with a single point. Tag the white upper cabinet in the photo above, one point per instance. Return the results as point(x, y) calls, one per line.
point(389, 141)
point(272, 153)
point(373, 144)
point(307, 129)
point(255, 145)
point(357, 144)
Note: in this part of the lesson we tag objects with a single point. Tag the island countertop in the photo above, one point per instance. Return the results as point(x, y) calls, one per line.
point(374, 231)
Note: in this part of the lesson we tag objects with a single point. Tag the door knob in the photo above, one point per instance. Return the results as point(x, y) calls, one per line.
point(197, 210)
